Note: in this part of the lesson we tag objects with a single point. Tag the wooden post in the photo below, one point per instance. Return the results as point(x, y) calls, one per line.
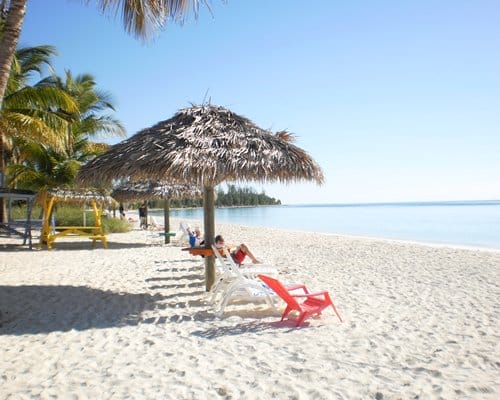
point(209, 223)
point(166, 219)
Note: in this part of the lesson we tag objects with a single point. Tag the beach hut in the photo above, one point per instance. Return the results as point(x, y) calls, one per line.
point(151, 190)
point(204, 145)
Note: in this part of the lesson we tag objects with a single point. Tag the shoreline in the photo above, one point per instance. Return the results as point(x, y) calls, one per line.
point(132, 321)
point(430, 227)
point(359, 237)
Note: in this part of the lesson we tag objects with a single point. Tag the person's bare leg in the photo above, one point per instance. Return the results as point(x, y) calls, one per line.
point(247, 251)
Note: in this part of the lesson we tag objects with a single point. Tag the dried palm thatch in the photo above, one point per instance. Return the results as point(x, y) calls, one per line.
point(78, 196)
point(150, 190)
point(204, 145)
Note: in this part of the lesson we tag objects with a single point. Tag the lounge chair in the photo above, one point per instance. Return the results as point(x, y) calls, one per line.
point(153, 223)
point(184, 234)
point(238, 284)
point(228, 270)
point(313, 304)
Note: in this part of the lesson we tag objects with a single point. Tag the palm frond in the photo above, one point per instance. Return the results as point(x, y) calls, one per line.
point(42, 97)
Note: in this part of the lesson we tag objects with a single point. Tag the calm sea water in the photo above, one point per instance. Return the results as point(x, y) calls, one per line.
point(469, 223)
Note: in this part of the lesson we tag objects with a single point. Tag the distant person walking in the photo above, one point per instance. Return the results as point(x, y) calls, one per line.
point(143, 216)
point(121, 209)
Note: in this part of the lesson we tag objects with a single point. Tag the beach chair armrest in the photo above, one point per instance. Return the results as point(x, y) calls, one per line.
point(316, 294)
point(296, 287)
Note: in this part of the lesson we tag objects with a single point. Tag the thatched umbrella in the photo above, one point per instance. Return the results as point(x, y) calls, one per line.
point(205, 145)
point(150, 190)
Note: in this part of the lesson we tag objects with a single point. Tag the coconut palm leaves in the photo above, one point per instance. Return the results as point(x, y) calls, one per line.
point(31, 112)
point(52, 155)
point(43, 167)
point(92, 103)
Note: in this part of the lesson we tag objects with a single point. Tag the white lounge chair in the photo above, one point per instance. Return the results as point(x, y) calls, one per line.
point(239, 284)
point(184, 234)
point(153, 223)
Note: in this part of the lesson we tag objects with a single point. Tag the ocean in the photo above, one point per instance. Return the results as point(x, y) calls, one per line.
point(465, 223)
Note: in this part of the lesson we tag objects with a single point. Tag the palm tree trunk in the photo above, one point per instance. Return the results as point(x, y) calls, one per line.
point(3, 183)
point(8, 42)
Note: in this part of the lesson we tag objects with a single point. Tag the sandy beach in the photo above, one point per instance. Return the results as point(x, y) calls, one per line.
point(132, 322)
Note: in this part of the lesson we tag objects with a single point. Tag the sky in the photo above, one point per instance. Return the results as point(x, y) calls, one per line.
point(395, 100)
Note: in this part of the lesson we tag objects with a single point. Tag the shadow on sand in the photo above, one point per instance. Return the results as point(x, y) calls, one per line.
point(247, 327)
point(44, 309)
point(77, 245)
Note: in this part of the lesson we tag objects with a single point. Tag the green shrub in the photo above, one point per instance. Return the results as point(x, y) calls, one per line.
point(115, 225)
point(70, 215)
point(18, 211)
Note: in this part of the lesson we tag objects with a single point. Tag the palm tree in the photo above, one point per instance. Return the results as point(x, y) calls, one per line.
point(31, 112)
point(92, 103)
point(139, 17)
point(41, 165)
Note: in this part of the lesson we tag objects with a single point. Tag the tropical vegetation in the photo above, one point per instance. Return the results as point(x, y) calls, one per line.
point(42, 165)
point(47, 127)
point(141, 18)
point(70, 215)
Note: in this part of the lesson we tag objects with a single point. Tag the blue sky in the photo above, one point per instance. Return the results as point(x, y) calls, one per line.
point(396, 100)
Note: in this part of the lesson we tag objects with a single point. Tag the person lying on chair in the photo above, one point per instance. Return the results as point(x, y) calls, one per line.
point(239, 253)
point(195, 237)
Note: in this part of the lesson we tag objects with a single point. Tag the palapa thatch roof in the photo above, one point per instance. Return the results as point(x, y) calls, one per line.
point(149, 190)
point(204, 144)
point(78, 196)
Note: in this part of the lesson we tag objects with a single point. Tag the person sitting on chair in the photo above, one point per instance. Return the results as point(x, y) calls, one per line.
point(195, 237)
point(239, 253)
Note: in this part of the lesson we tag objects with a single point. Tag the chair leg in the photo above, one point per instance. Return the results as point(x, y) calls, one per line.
point(336, 312)
point(301, 318)
point(286, 312)
point(329, 301)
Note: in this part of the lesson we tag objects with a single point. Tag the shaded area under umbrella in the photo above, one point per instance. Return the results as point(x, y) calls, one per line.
point(204, 145)
point(150, 190)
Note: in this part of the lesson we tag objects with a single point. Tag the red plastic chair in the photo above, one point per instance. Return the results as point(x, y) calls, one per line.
point(313, 304)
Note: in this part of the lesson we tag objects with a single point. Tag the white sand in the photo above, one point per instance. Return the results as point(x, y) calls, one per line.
point(131, 322)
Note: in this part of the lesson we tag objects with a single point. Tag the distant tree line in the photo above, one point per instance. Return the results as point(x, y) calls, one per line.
point(232, 197)
point(243, 196)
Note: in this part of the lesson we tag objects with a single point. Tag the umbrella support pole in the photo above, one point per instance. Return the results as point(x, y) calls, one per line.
point(209, 223)
point(166, 219)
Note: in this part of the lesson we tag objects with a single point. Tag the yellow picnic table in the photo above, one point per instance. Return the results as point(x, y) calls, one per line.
point(50, 233)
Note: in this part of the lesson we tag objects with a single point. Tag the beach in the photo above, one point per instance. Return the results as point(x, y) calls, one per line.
point(133, 321)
